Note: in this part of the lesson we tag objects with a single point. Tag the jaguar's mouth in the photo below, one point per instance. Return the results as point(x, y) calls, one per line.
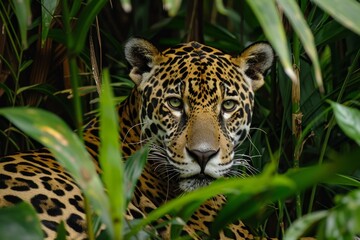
point(194, 182)
point(202, 177)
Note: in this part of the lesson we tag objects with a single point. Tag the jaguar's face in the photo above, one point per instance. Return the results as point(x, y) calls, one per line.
point(197, 106)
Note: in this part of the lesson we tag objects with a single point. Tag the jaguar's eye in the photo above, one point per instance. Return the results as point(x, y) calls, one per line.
point(175, 103)
point(229, 105)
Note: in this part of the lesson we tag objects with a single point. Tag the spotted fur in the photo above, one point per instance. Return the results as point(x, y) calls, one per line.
point(193, 102)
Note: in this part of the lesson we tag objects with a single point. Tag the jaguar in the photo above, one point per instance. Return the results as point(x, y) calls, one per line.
point(193, 102)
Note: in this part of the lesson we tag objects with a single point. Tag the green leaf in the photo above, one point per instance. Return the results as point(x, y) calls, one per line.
point(330, 31)
point(47, 12)
point(343, 222)
point(302, 225)
point(270, 21)
point(339, 179)
point(23, 15)
point(172, 6)
point(84, 22)
point(25, 65)
point(296, 18)
point(61, 232)
point(141, 234)
point(264, 187)
point(134, 166)
point(348, 120)
point(110, 155)
point(344, 11)
point(20, 222)
point(227, 11)
point(67, 148)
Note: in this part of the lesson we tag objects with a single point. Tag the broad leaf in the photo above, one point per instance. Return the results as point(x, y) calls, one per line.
point(343, 222)
point(304, 224)
point(53, 133)
point(348, 120)
point(20, 222)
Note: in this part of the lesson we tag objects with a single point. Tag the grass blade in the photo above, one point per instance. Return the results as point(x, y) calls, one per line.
point(110, 155)
point(23, 15)
point(133, 169)
point(86, 18)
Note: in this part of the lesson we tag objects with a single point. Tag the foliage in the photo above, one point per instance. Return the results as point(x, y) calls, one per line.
point(317, 44)
point(19, 222)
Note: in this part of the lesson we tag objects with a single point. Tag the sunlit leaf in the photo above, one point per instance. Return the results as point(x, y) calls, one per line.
point(110, 155)
point(348, 120)
point(171, 5)
point(67, 148)
point(20, 222)
point(271, 24)
point(344, 11)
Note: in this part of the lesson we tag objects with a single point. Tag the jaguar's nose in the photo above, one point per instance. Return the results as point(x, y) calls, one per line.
point(202, 157)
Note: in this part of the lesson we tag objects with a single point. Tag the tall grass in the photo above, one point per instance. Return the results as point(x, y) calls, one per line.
point(306, 115)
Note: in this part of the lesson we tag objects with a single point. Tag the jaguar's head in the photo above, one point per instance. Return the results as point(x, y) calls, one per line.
point(196, 105)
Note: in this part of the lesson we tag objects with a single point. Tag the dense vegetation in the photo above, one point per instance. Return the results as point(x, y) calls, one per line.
point(304, 145)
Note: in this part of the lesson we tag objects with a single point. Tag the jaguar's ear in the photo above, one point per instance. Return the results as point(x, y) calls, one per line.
point(142, 55)
point(254, 61)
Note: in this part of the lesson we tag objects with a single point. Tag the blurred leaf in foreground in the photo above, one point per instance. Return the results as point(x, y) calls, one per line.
point(20, 222)
point(67, 148)
point(110, 155)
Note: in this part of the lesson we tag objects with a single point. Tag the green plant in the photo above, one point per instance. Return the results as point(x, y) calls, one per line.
point(317, 44)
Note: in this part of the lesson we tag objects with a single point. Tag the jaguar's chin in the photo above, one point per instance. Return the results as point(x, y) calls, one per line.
point(195, 182)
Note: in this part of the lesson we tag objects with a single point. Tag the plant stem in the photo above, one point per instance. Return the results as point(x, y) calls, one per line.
point(296, 115)
point(74, 78)
point(352, 68)
point(89, 223)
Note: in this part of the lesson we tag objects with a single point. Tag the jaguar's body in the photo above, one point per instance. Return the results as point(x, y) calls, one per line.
point(195, 105)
